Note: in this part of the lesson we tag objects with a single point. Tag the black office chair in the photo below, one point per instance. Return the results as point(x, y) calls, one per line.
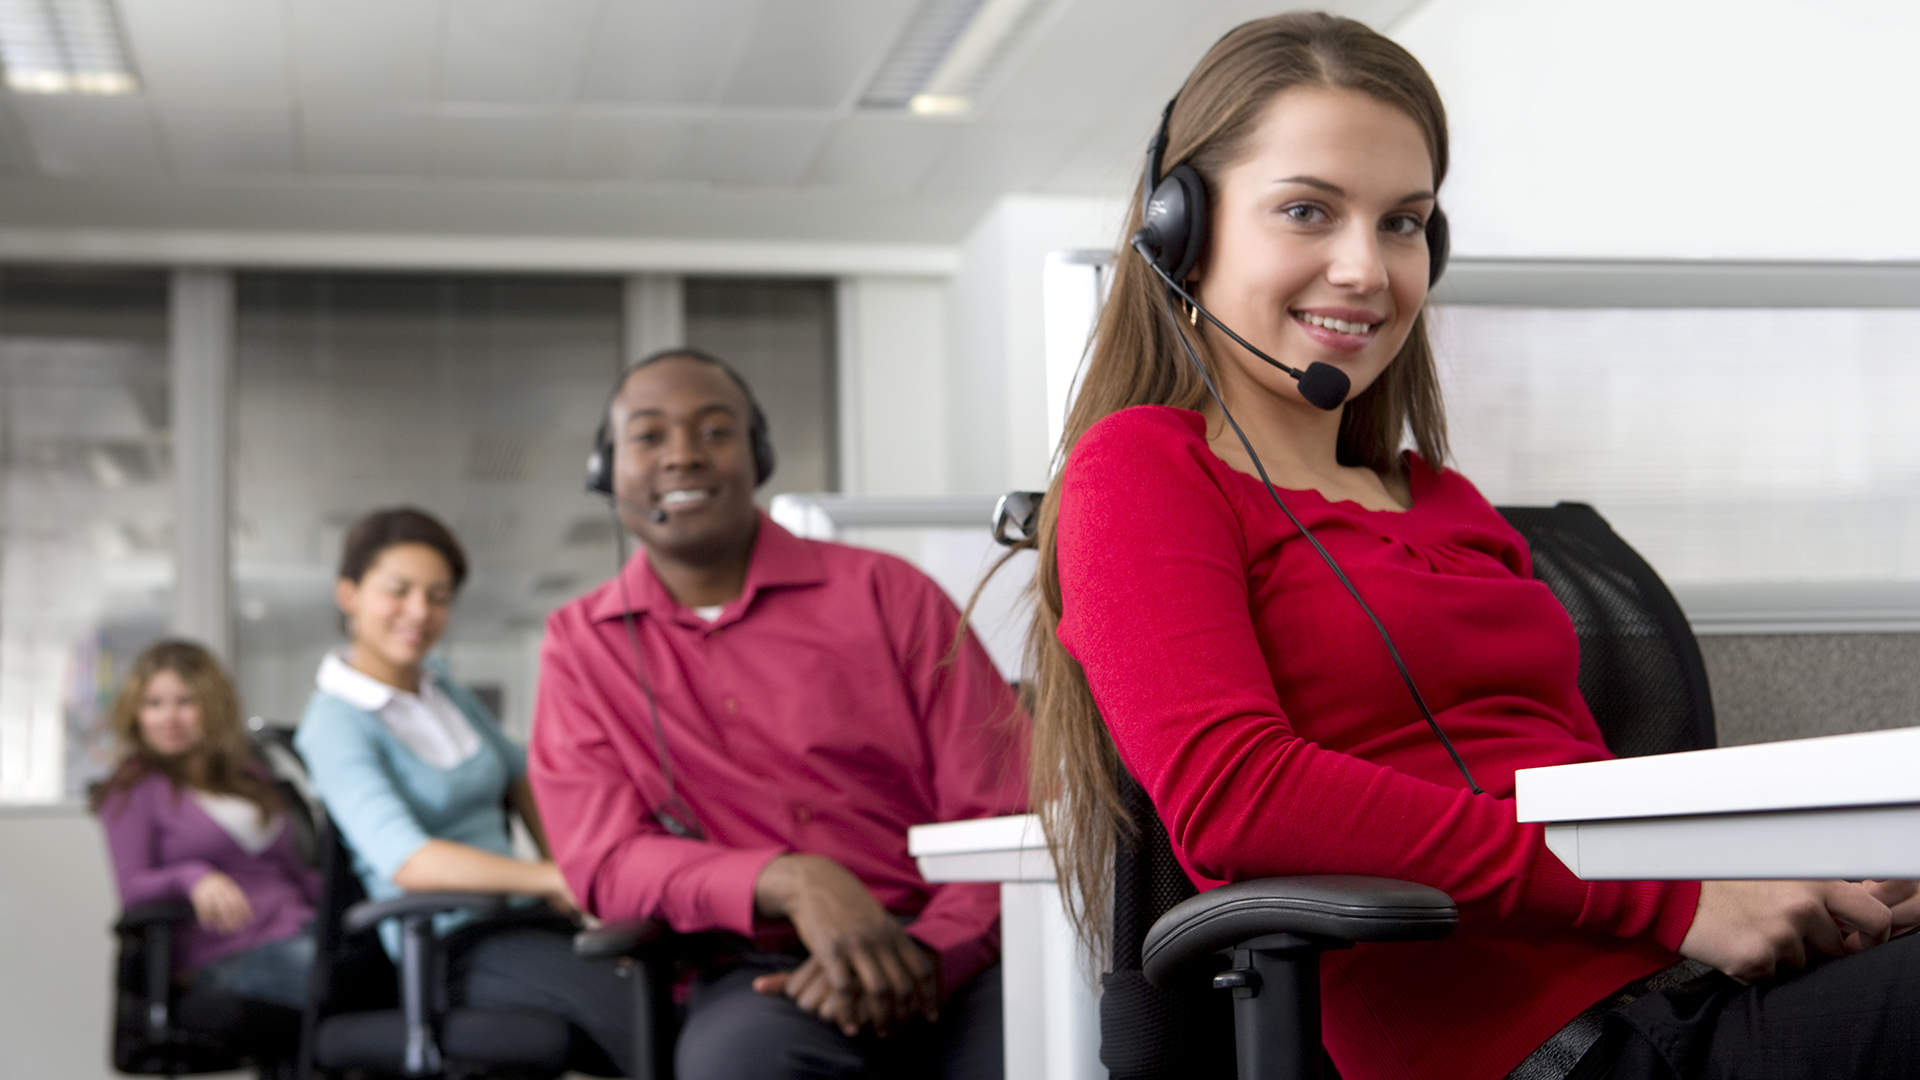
point(654, 957)
point(365, 1016)
point(161, 1028)
point(1641, 675)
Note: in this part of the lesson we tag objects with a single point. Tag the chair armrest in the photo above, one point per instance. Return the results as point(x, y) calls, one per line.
point(140, 916)
point(368, 912)
point(1338, 909)
point(628, 937)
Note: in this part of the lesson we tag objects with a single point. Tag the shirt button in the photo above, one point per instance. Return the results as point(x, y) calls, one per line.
point(803, 815)
point(733, 705)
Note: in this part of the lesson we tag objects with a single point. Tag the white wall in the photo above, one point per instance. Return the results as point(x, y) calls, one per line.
point(57, 905)
point(1741, 129)
point(893, 342)
point(996, 367)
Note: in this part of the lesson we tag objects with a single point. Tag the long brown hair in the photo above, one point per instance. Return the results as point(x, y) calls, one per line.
point(1137, 360)
point(222, 763)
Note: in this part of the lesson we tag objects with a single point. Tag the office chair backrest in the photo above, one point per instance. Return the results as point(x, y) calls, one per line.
point(1640, 667)
point(1640, 673)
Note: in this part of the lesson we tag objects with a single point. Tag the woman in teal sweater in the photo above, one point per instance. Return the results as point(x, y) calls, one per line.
point(413, 771)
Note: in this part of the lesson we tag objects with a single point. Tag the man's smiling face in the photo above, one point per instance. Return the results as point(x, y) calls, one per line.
point(681, 448)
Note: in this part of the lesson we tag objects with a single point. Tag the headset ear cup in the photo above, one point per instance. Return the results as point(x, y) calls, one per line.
point(1175, 221)
point(761, 444)
point(1439, 243)
point(1194, 221)
point(600, 464)
point(762, 457)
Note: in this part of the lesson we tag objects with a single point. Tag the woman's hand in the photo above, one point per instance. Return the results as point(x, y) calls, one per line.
point(559, 897)
point(1752, 929)
point(219, 904)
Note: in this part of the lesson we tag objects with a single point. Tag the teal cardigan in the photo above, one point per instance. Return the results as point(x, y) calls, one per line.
point(387, 803)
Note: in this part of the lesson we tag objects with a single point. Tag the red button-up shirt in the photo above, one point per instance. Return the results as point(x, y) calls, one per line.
point(815, 714)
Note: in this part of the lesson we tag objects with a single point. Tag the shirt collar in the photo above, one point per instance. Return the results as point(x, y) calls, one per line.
point(779, 559)
point(356, 688)
point(361, 690)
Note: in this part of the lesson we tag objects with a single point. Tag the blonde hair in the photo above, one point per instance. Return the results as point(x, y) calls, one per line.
point(224, 757)
point(1137, 359)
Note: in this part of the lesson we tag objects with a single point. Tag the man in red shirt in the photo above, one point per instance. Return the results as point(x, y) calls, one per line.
point(735, 733)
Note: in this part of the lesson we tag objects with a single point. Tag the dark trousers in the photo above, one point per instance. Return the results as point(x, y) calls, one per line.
point(534, 968)
point(1858, 1016)
point(733, 1033)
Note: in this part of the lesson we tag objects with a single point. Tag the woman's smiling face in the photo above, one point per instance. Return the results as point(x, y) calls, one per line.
point(1318, 249)
point(399, 607)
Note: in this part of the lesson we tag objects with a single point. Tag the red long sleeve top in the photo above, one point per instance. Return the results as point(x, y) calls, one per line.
point(1250, 696)
point(817, 713)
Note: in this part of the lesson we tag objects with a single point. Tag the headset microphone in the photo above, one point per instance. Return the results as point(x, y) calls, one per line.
point(1172, 238)
point(1323, 385)
point(651, 513)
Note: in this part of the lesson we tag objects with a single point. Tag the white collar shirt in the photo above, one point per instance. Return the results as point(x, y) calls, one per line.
point(426, 723)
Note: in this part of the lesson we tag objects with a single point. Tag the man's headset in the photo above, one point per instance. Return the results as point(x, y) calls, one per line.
point(600, 462)
point(674, 815)
point(1172, 238)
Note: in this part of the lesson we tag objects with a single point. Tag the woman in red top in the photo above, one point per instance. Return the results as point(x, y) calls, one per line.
point(1187, 626)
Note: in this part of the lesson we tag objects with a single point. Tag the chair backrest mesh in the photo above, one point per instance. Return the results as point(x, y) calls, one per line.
point(1640, 668)
point(1640, 673)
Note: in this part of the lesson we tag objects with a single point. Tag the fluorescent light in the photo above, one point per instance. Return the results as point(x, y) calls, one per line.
point(64, 47)
point(949, 53)
point(938, 104)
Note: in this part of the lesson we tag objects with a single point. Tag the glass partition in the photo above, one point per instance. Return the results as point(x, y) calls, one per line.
point(86, 561)
point(1756, 453)
point(473, 398)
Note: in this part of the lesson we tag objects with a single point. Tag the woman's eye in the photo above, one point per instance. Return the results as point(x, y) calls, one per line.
point(1305, 215)
point(1405, 225)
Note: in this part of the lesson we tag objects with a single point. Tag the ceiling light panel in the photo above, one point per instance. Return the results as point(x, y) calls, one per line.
point(64, 47)
point(950, 52)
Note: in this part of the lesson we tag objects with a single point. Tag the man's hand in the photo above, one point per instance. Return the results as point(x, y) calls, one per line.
point(218, 903)
point(1902, 897)
point(863, 968)
point(1751, 929)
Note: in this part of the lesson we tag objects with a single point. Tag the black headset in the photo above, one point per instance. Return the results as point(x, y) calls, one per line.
point(1176, 218)
point(1172, 237)
point(675, 814)
point(600, 462)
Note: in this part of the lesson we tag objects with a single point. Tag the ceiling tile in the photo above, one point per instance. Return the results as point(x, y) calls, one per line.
point(224, 49)
point(522, 146)
point(1000, 157)
point(515, 51)
point(364, 139)
point(757, 153)
point(91, 136)
point(666, 51)
point(814, 53)
point(1091, 58)
point(358, 49)
point(889, 153)
point(228, 139)
point(1107, 160)
point(647, 149)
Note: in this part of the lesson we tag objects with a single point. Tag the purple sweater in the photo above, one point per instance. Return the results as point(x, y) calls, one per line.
point(162, 843)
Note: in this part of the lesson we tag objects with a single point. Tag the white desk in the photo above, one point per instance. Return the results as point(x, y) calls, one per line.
point(1051, 1000)
point(1843, 806)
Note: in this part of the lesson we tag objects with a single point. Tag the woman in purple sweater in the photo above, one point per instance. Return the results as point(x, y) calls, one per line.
point(190, 815)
